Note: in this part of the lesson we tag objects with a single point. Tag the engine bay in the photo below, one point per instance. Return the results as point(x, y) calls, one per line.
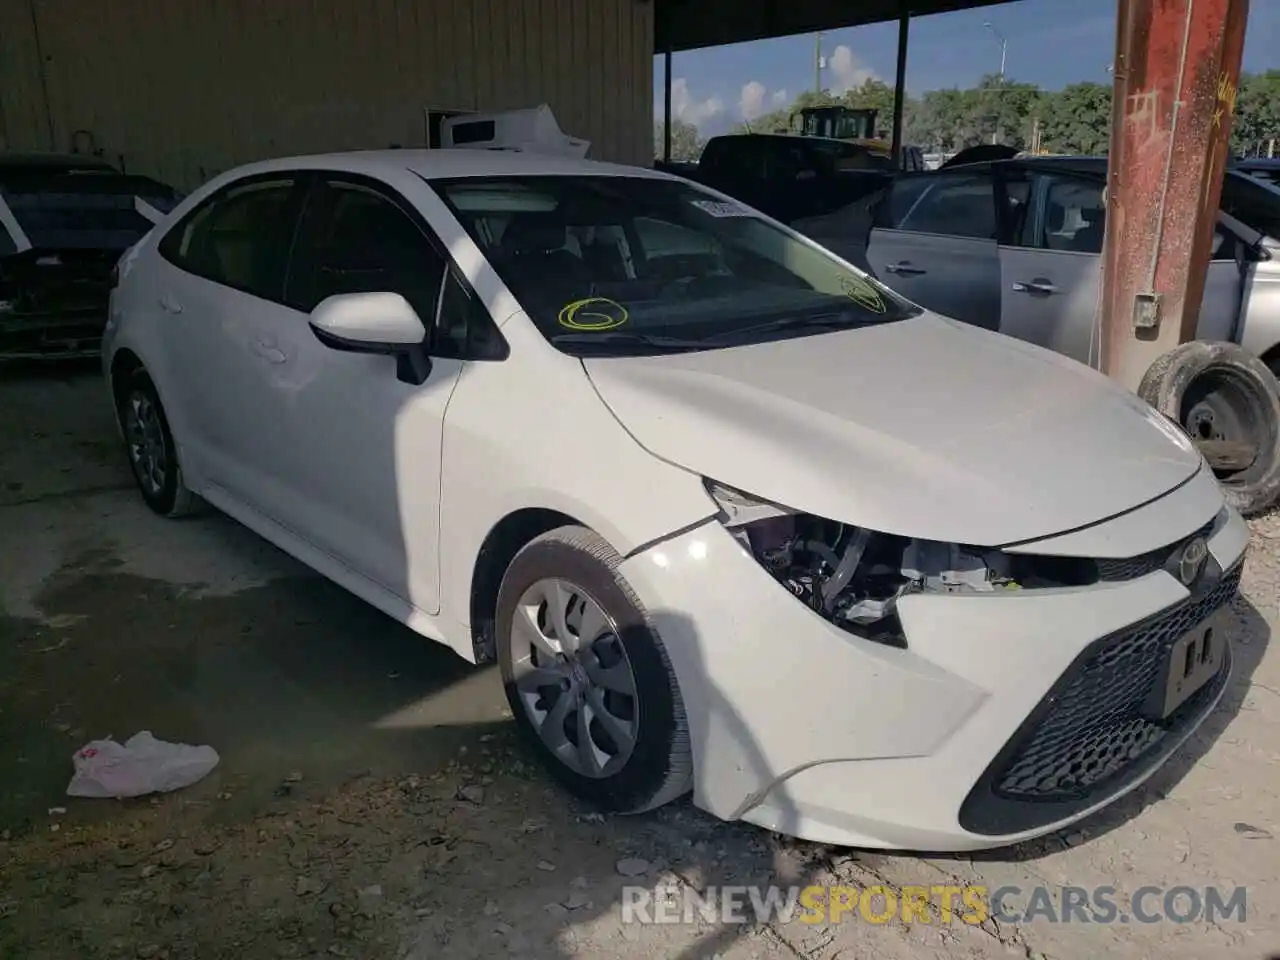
point(855, 577)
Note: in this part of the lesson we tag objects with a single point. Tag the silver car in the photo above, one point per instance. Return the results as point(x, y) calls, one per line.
point(1016, 246)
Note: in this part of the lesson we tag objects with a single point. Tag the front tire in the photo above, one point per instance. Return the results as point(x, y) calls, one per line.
point(587, 677)
point(149, 446)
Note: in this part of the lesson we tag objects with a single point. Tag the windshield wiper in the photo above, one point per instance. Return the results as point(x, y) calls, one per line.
point(623, 338)
point(822, 321)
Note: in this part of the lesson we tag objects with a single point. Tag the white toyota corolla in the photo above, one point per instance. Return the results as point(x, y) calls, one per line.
point(731, 517)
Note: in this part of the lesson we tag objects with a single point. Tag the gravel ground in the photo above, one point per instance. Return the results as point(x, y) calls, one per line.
point(372, 801)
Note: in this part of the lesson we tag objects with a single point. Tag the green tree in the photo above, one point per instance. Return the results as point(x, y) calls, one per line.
point(1077, 119)
point(1256, 126)
point(686, 141)
point(874, 95)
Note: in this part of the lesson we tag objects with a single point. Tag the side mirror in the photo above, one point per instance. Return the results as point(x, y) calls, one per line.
point(375, 323)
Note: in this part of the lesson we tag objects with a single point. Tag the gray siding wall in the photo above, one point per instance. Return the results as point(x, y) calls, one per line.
point(182, 89)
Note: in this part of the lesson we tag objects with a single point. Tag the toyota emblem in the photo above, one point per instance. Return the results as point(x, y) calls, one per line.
point(1191, 562)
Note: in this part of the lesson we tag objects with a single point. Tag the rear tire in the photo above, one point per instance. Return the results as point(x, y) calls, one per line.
point(150, 449)
point(608, 675)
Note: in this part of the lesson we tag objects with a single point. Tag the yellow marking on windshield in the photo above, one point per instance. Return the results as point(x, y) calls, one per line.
point(863, 292)
point(592, 315)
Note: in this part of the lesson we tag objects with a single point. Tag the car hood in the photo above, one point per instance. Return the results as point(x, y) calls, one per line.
point(926, 428)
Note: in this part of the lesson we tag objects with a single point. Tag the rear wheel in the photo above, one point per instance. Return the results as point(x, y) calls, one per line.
point(587, 677)
point(150, 448)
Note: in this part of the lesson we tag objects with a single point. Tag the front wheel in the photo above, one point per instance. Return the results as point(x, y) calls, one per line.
point(587, 677)
point(149, 445)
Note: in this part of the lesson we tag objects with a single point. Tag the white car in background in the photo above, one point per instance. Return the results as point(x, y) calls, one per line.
point(731, 517)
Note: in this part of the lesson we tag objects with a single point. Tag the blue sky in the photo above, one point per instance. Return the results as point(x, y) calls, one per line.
point(1050, 43)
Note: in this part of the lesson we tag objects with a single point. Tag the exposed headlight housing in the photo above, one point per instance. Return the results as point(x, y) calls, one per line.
point(854, 576)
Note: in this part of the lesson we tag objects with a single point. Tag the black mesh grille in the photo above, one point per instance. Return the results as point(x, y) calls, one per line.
point(1133, 567)
point(1093, 730)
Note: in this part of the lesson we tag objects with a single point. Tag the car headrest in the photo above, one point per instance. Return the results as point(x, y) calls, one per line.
point(1055, 218)
point(534, 233)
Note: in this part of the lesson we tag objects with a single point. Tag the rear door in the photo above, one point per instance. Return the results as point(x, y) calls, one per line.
point(934, 240)
point(1051, 272)
point(218, 293)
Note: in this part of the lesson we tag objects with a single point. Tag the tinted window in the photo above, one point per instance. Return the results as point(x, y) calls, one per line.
point(950, 205)
point(1254, 202)
point(1075, 220)
point(87, 211)
point(464, 328)
point(644, 258)
point(1075, 216)
point(7, 246)
point(240, 237)
point(356, 240)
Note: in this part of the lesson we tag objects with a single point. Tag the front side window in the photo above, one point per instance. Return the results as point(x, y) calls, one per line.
point(644, 265)
point(355, 240)
point(950, 205)
point(239, 237)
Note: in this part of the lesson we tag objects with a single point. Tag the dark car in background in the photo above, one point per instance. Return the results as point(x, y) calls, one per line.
point(1263, 168)
point(788, 177)
point(65, 221)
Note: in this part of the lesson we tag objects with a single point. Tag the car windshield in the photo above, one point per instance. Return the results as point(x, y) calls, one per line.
point(647, 265)
point(83, 210)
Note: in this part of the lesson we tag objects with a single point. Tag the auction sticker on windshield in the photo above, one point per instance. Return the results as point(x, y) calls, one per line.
point(593, 314)
point(718, 208)
point(863, 292)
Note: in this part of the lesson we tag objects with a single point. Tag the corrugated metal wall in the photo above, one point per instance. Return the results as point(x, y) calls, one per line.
point(185, 88)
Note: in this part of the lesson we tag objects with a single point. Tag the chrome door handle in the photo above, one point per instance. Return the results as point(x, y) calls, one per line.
point(903, 268)
point(269, 352)
point(1034, 286)
point(170, 305)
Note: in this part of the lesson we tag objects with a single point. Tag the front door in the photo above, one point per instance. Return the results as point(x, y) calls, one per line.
point(1051, 273)
point(357, 466)
point(934, 242)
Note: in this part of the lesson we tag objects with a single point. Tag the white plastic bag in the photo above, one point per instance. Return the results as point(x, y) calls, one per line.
point(140, 765)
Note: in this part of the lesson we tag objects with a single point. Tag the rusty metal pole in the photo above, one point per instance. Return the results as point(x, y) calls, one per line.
point(1177, 68)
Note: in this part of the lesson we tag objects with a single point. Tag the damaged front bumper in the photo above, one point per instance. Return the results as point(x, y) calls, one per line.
point(799, 726)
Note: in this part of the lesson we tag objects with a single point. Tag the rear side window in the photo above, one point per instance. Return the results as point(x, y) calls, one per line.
point(1075, 216)
point(240, 237)
point(958, 205)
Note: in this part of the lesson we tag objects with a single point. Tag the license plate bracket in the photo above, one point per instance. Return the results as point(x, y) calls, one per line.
point(1192, 661)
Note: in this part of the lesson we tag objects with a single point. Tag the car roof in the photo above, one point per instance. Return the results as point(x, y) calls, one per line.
point(452, 162)
point(53, 161)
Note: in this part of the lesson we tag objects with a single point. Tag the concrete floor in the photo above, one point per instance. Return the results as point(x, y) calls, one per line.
point(112, 621)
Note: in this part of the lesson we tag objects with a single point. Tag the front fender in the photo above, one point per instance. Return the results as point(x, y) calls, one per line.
point(553, 446)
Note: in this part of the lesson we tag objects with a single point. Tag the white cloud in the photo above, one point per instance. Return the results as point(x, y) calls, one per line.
point(751, 102)
point(756, 100)
point(846, 70)
point(686, 107)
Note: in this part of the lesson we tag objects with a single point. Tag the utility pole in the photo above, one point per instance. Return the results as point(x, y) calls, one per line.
point(817, 65)
point(1004, 50)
